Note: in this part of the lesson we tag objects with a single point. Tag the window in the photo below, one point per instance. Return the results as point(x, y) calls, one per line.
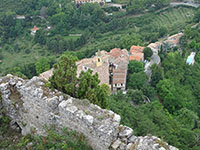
point(99, 60)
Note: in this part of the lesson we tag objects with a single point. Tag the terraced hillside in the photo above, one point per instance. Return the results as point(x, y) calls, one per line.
point(145, 25)
point(175, 18)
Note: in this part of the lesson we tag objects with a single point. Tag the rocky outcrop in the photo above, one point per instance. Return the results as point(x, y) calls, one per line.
point(32, 105)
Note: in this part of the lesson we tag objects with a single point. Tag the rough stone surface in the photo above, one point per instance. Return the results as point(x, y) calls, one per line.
point(32, 105)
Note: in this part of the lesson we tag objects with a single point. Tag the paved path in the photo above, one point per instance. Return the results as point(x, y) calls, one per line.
point(155, 59)
point(174, 4)
point(115, 5)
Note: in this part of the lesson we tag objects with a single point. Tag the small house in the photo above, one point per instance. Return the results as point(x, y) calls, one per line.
point(34, 30)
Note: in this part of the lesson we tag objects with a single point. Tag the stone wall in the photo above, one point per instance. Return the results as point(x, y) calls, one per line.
point(32, 105)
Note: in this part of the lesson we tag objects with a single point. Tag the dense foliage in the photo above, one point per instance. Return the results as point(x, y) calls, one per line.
point(173, 110)
point(138, 6)
point(166, 104)
point(86, 86)
point(81, 31)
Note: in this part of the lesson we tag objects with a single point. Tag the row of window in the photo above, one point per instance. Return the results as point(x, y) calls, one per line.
point(119, 85)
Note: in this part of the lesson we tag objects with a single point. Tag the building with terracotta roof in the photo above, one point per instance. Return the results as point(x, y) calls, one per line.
point(111, 67)
point(136, 53)
point(34, 30)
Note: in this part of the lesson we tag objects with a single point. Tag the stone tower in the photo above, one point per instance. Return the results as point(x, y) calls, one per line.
point(99, 61)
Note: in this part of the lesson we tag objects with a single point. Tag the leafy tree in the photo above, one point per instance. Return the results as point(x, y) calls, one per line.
point(90, 89)
point(137, 80)
point(157, 74)
point(135, 67)
point(64, 75)
point(40, 37)
point(129, 40)
point(163, 31)
point(149, 91)
point(170, 96)
point(187, 117)
point(136, 96)
point(42, 65)
point(147, 53)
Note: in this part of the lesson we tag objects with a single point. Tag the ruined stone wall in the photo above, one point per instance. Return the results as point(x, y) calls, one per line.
point(32, 105)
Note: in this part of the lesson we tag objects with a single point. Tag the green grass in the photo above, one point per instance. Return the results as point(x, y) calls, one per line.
point(28, 53)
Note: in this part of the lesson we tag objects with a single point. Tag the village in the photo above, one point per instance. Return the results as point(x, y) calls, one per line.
point(112, 66)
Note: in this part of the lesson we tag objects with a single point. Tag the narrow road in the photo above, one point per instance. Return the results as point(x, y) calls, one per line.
point(174, 4)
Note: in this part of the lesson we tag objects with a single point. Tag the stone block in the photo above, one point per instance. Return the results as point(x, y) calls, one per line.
point(116, 144)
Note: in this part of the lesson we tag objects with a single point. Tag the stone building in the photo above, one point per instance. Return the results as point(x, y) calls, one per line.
point(111, 67)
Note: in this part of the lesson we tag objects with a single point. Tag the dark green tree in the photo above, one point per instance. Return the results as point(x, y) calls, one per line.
point(147, 53)
point(40, 37)
point(137, 80)
point(135, 66)
point(157, 74)
point(90, 89)
point(136, 96)
point(64, 75)
point(42, 65)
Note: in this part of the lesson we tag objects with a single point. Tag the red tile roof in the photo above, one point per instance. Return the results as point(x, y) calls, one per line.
point(35, 28)
point(116, 52)
point(136, 53)
point(136, 49)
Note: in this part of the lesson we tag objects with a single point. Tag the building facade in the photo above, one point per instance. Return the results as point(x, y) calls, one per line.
point(111, 67)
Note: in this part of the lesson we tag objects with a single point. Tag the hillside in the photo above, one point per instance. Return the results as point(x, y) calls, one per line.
point(140, 61)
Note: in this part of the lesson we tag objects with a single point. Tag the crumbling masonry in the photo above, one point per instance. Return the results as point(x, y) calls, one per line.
point(31, 105)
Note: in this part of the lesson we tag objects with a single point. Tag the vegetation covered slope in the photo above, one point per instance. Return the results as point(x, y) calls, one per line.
point(19, 50)
point(173, 111)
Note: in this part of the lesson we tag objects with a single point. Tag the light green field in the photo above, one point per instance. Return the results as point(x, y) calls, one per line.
point(28, 53)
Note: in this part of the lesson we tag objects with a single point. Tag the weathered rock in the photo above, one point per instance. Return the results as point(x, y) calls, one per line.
point(32, 105)
point(88, 119)
point(116, 144)
point(132, 139)
point(126, 132)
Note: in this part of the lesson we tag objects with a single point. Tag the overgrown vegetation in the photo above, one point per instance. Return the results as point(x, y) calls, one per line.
point(86, 86)
point(168, 106)
point(11, 139)
point(20, 50)
point(173, 110)
point(54, 140)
